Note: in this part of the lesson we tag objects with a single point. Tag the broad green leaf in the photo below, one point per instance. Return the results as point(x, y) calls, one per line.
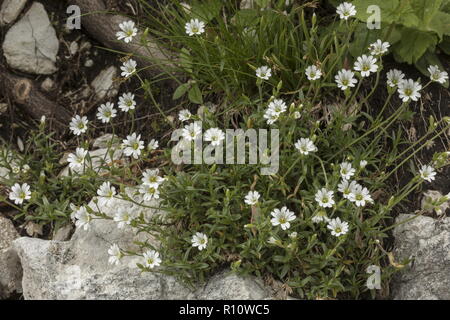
point(245, 18)
point(207, 10)
point(413, 45)
point(180, 91)
point(425, 9)
point(195, 95)
point(262, 3)
point(445, 45)
point(440, 24)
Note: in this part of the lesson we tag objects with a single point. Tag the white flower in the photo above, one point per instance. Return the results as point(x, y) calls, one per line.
point(151, 178)
point(277, 106)
point(125, 215)
point(347, 171)
point(82, 218)
point(360, 196)
point(78, 125)
point(199, 240)
point(345, 79)
point(271, 116)
point(215, 136)
point(252, 198)
point(313, 73)
point(184, 115)
point(409, 89)
point(305, 146)
point(128, 68)
point(133, 145)
point(20, 193)
point(379, 48)
point(427, 173)
point(337, 227)
point(347, 188)
point(264, 72)
point(365, 65)
point(128, 31)
point(324, 198)
point(151, 259)
point(282, 217)
point(394, 77)
point(436, 75)
point(293, 235)
point(191, 131)
point(76, 160)
point(297, 115)
point(106, 194)
point(320, 216)
point(346, 10)
point(149, 192)
point(106, 112)
point(153, 145)
point(362, 164)
point(126, 102)
point(272, 240)
point(195, 27)
point(114, 254)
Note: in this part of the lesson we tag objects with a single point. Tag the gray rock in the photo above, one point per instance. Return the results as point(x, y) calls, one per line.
point(427, 242)
point(63, 233)
point(10, 10)
point(79, 269)
point(104, 84)
point(10, 270)
point(31, 44)
point(47, 85)
point(430, 200)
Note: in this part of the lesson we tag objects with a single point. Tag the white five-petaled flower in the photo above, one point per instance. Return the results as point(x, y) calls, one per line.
point(128, 68)
point(199, 240)
point(125, 215)
point(106, 112)
point(324, 198)
point(363, 164)
point(128, 31)
point(277, 106)
point(313, 73)
point(151, 178)
point(337, 227)
point(76, 160)
point(264, 72)
point(20, 193)
point(436, 74)
point(347, 188)
point(394, 77)
point(427, 173)
point(409, 89)
point(215, 136)
point(191, 131)
point(320, 216)
point(184, 115)
point(126, 102)
point(345, 79)
point(151, 259)
point(360, 195)
point(365, 65)
point(114, 254)
point(347, 171)
point(82, 218)
point(106, 194)
point(282, 217)
point(149, 192)
point(133, 145)
point(153, 145)
point(305, 146)
point(379, 48)
point(252, 198)
point(346, 10)
point(78, 125)
point(271, 116)
point(194, 27)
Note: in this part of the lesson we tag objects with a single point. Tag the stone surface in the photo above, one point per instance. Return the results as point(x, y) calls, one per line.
point(104, 84)
point(430, 200)
point(10, 10)
point(10, 270)
point(31, 44)
point(427, 242)
point(64, 233)
point(79, 269)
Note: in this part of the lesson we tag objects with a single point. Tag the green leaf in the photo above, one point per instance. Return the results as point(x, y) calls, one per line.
point(206, 11)
point(441, 24)
point(262, 3)
point(445, 45)
point(413, 45)
point(180, 91)
point(195, 95)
